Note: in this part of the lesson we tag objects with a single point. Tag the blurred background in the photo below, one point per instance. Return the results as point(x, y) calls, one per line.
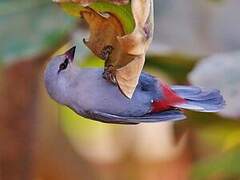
point(195, 42)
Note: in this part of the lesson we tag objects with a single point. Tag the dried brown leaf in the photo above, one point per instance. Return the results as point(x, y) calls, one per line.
point(86, 2)
point(127, 76)
point(104, 30)
point(124, 53)
point(138, 41)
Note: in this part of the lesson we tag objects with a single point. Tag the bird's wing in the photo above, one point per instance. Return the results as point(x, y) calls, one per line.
point(170, 115)
point(124, 54)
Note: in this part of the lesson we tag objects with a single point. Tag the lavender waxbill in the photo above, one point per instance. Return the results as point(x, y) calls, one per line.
point(86, 92)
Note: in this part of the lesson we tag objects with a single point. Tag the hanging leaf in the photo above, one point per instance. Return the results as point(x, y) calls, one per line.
point(123, 48)
point(88, 2)
point(136, 43)
point(104, 30)
point(122, 12)
point(139, 40)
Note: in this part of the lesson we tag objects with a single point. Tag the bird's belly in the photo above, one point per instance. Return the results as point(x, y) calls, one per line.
point(106, 97)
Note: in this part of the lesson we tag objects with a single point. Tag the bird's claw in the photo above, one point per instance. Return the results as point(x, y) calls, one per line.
point(109, 74)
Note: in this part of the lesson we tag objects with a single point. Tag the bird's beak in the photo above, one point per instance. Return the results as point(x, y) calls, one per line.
point(70, 53)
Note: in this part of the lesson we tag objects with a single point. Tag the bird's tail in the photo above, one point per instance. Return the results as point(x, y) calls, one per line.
point(198, 99)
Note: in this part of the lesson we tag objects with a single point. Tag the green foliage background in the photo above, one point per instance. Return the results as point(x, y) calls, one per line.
point(29, 28)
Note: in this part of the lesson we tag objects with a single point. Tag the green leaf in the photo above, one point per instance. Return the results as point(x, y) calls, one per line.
point(122, 12)
point(30, 28)
point(225, 165)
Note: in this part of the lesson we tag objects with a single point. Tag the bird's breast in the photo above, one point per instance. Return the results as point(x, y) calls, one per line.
point(93, 93)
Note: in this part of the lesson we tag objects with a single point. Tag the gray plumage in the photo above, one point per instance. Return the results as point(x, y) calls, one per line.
point(91, 96)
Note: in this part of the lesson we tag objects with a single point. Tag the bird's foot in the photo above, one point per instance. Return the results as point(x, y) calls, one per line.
point(109, 74)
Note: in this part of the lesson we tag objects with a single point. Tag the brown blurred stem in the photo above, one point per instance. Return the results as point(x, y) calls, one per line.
point(18, 97)
point(17, 115)
point(17, 125)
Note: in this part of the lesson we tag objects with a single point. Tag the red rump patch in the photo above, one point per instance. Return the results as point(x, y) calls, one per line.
point(170, 99)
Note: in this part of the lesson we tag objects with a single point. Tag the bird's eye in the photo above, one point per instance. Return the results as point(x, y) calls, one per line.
point(63, 65)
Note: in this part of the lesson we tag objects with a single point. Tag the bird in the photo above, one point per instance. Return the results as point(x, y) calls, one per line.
point(87, 93)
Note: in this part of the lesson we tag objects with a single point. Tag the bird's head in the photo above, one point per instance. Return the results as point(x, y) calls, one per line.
point(58, 73)
point(62, 63)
